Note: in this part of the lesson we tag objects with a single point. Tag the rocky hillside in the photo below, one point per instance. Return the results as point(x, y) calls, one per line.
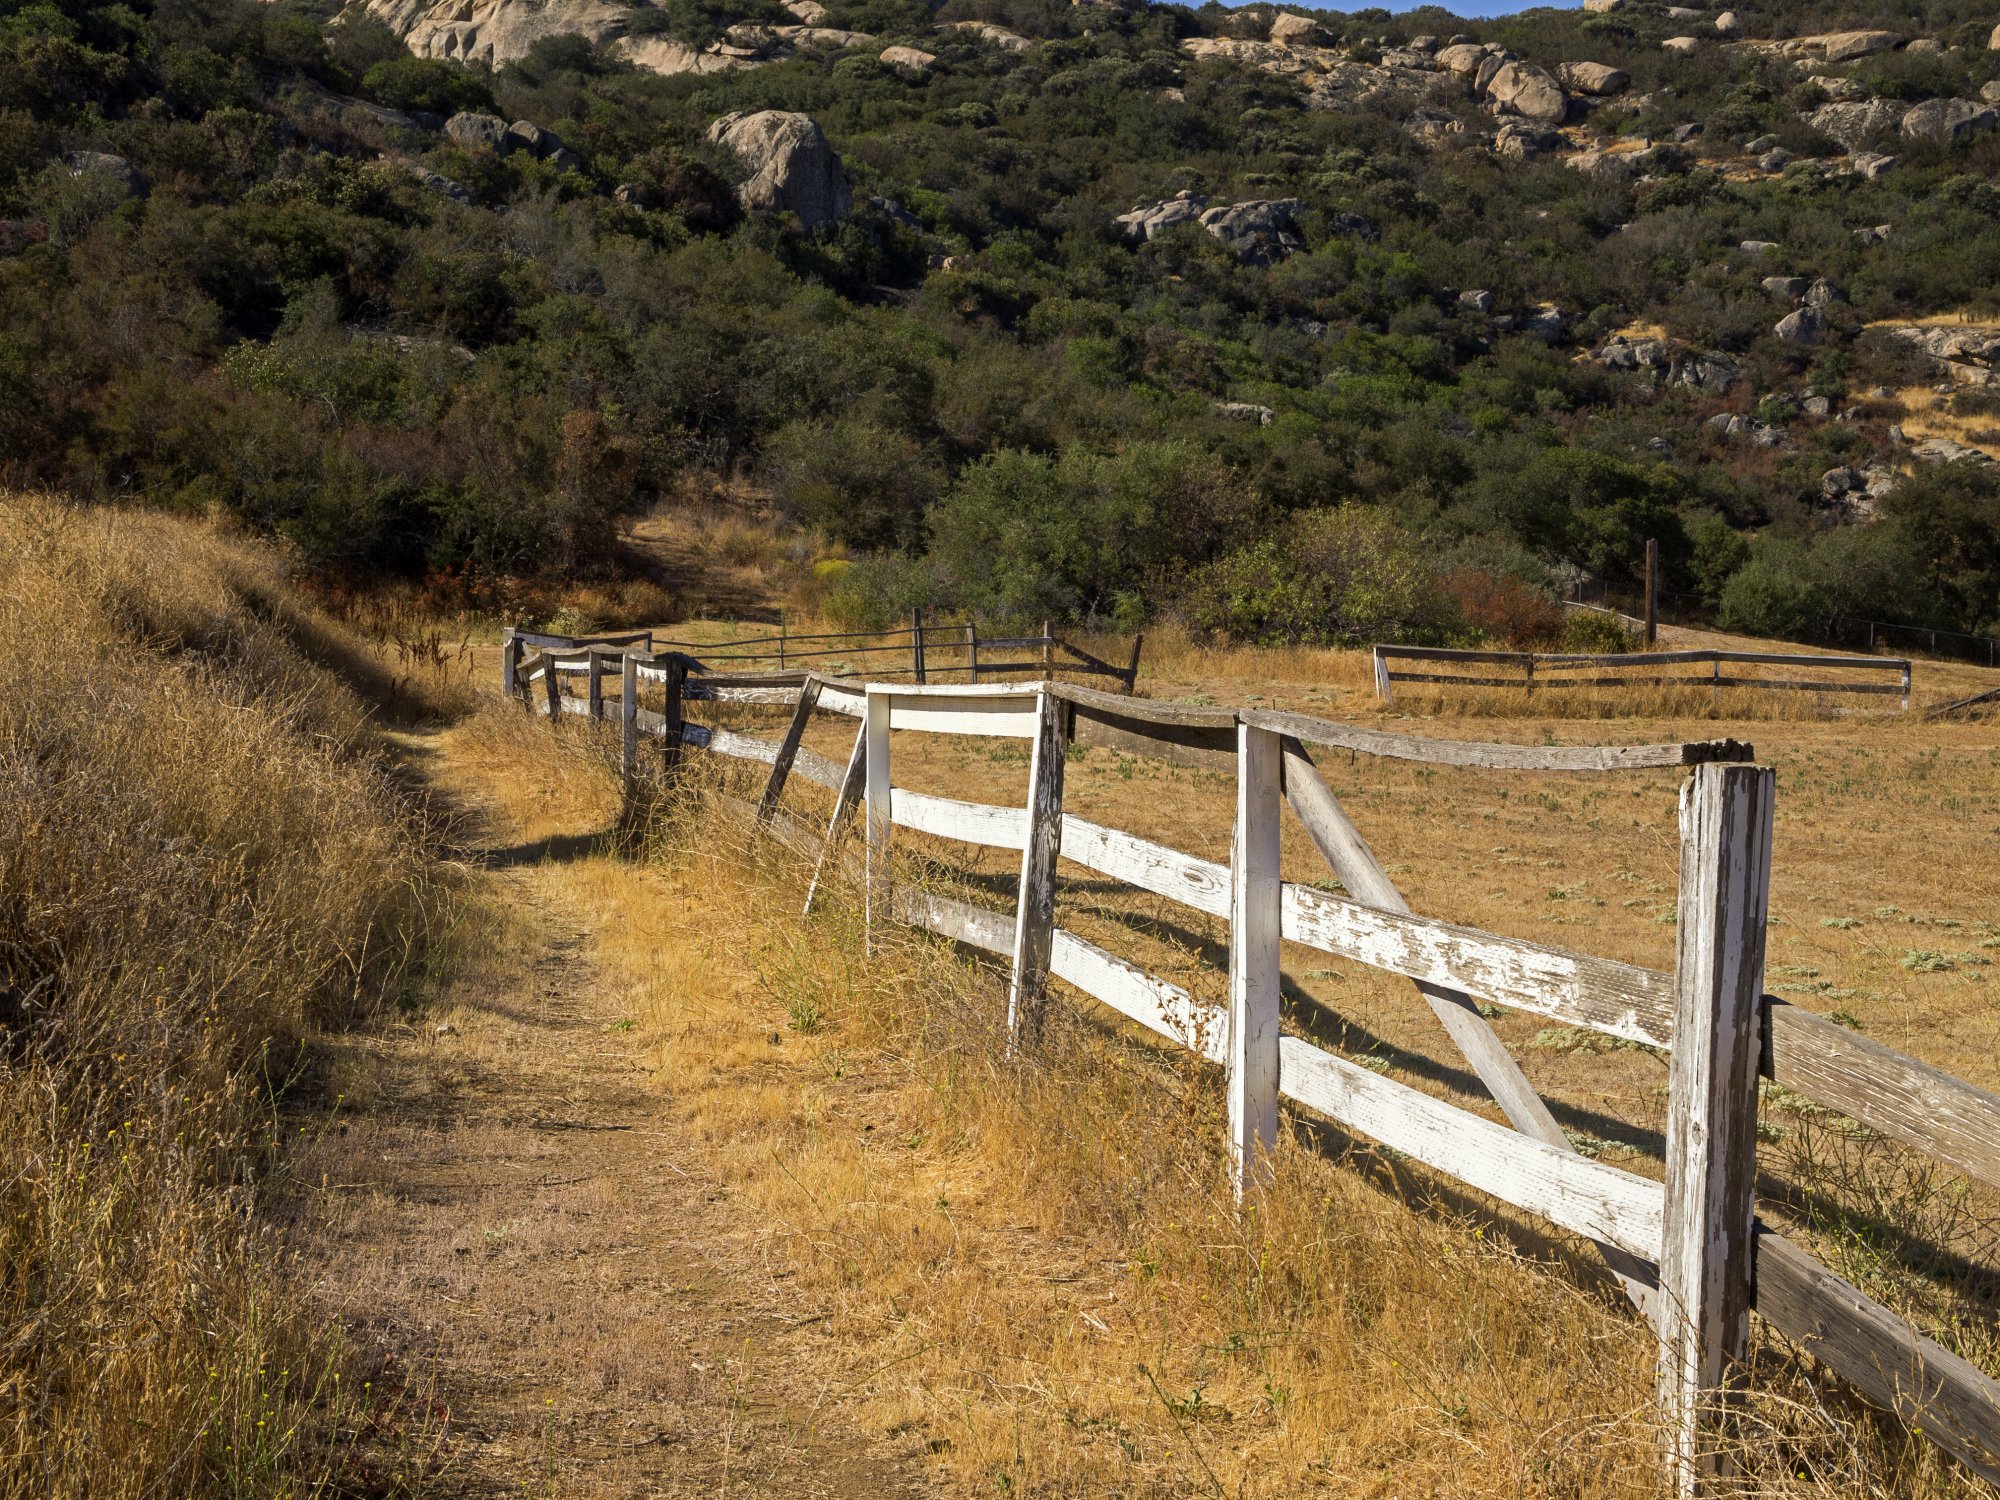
point(1290, 323)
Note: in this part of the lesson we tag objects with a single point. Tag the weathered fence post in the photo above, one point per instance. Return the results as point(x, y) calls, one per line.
point(552, 683)
point(875, 760)
point(1382, 690)
point(628, 714)
point(594, 697)
point(1254, 896)
point(1652, 626)
point(510, 661)
point(972, 650)
point(917, 644)
point(1706, 1259)
point(1035, 913)
point(1906, 686)
point(670, 742)
point(1132, 672)
point(1048, 650)
point(788, 749)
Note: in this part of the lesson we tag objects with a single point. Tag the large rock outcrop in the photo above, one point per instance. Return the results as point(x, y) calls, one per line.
point(495, 32)
point(1949, 122)
point(1855, 124)
point(1262, 232)
point(1521, 88)
point(794, 169)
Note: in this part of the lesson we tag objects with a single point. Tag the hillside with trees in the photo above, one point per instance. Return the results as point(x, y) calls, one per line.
point(1293, 325)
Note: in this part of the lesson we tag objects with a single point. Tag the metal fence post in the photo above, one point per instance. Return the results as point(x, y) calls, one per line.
point(1706, 1258)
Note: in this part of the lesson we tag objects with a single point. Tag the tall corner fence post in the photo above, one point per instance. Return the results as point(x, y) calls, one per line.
point(1706, 1255)
point(510, 661)
point(1382, 689)
point(673, 716)
point(1255, 893)
point(1035, 911)
point(628, 717)
point(594, 698)
point(1132, 672)
point(875, 762)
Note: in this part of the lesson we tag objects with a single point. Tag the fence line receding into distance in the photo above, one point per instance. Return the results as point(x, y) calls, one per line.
point(1689, 1251)
point(1530, 670)
point(934, 650)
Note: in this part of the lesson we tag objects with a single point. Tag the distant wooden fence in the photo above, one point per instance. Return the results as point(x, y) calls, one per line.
point(934, 651)
point(1689, 1251)
point(1542, 669)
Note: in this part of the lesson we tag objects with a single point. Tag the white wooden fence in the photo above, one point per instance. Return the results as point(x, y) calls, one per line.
point(1689, 1250)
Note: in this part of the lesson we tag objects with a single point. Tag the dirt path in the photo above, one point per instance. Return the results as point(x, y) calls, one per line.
point(505, 1202)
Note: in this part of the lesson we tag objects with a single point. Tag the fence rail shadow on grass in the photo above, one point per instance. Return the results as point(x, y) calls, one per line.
point(1532, 670)
point(1690, 1252)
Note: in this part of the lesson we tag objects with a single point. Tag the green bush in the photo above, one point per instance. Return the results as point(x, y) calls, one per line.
point(427, 83)
point(1345, 576)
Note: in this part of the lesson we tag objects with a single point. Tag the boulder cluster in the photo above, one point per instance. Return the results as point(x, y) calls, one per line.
point(1261, 231)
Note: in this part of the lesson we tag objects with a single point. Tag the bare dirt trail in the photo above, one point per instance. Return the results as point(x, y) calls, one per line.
point(504, 1201)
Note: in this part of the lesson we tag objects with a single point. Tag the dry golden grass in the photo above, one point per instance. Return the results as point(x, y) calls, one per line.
point(199, 863)
point(1927, 414)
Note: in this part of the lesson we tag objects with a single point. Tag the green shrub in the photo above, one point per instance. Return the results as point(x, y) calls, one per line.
point(1345, 576)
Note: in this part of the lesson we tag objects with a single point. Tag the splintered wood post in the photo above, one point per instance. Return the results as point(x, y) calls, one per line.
point(1706, 1257)
point(972, 650)
point(788, 749)
point(1035, 913)
point(1382, 690)
point(670, 739)
point(552, 682)
point(628, 716)
point(1353, 862)
point(510, 661)
point(843, 804)
point(876, 760)
point(1254, 912)
point(1652, 593)
point(595, 697)
point(1132, 672)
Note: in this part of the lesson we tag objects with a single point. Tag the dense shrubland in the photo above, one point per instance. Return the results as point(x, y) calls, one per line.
point(986, 392)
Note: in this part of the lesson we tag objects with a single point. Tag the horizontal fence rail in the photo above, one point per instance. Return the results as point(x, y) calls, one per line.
point(1532, 670)
point(934, 651)
point(1689, 1251)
